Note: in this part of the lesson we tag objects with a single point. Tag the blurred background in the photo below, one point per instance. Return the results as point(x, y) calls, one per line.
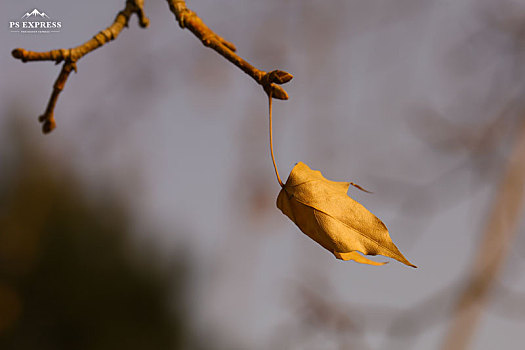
point(147, 219)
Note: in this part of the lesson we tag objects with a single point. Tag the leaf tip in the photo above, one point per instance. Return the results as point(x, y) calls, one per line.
point(359, 187)
point(408, 263)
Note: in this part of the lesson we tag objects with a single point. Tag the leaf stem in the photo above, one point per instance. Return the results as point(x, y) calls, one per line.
point(271, 139)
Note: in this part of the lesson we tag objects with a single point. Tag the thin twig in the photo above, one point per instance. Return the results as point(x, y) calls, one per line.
point(71, 56)
point(270, 81)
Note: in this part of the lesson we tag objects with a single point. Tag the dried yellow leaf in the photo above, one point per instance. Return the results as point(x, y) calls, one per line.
point(324, 212)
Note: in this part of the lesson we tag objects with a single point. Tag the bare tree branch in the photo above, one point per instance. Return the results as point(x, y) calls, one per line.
point(71, 56)
point(270, 81)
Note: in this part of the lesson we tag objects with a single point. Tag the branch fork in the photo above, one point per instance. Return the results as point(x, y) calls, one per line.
point(72, 55)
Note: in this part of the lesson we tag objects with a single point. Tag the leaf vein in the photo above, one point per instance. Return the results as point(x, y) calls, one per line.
point(350, 227)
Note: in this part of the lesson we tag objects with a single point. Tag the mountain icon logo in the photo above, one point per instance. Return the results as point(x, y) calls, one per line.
point(35, 21)
point(35, 13)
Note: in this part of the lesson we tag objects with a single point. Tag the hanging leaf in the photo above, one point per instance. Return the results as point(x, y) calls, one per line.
point(322, 210)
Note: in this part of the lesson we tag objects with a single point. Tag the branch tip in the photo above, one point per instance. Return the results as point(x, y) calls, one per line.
point(280, 77)
point(19, 53)
point(143, 21)
point(278, 92)
point(48, 122)
point(270, 80)
point(48, 125)
point(139, 10)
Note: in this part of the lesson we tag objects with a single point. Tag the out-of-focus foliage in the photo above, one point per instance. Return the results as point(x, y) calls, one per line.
point(70, 277)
